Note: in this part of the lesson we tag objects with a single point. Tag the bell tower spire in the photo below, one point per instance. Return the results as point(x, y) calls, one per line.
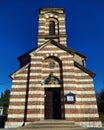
point(52, 25)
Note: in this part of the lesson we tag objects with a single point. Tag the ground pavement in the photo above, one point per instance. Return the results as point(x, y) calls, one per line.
point(88, 129)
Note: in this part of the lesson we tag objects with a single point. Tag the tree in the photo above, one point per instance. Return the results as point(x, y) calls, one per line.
point(100, 102)
point(4, 100)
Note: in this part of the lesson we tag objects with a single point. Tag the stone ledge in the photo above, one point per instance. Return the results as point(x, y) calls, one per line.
point(91, 124)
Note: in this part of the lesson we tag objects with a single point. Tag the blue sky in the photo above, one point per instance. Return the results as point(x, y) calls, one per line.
point(18, 31)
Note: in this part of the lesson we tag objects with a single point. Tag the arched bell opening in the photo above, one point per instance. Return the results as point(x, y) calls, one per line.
point(51, 28)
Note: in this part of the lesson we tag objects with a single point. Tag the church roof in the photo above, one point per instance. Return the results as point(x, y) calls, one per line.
point(67, 49)
point(19, 70)
point(84, 69)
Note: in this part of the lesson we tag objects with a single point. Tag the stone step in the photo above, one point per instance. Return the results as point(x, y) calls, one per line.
point(52, 125)
point(53, 129)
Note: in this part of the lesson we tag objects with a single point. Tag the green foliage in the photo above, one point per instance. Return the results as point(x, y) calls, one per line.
point(4, 101)
point(100, 102)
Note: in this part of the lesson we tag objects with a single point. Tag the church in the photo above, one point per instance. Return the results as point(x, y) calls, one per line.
point(52, 81)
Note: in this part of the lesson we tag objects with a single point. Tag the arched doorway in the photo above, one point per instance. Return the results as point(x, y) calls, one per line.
point(52, 99)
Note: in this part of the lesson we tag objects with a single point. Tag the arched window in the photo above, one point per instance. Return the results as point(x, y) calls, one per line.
point(51, 28)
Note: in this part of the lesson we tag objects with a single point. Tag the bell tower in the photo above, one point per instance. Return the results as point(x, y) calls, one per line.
point(51, 25)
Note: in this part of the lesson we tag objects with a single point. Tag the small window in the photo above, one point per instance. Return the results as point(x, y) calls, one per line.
point(51, 28)
point(51, 65)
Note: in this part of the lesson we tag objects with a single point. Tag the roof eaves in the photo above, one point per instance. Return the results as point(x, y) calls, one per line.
point(34, 49)
point(80, 54)
point(92, 74)
point(27, 53)
point(13, 74)
point(69, 50)
point(40, 47)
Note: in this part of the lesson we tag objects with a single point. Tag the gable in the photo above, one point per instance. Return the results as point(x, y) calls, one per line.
point(62, 47)
point(50, 49)
point(19, 71)
point(24, 59)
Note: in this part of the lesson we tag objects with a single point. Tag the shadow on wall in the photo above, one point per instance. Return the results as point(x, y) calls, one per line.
point(3, 119)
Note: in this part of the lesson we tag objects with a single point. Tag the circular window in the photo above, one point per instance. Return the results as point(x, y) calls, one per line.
point(51, 65)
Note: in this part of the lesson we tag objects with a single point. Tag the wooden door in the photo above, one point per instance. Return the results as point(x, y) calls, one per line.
point(48, 104)
point(52, 103)
point(56, 104)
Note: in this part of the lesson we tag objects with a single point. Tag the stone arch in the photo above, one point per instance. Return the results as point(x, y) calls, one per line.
point(57, 70)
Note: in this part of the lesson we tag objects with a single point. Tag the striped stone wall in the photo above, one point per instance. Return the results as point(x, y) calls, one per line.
point(35, 105)
point(72, 79)
point(85, 108)
point(61, 59)
point(84, 111)
point(16, 111)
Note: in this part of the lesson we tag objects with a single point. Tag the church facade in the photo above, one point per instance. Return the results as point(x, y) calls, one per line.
point(53, 81)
